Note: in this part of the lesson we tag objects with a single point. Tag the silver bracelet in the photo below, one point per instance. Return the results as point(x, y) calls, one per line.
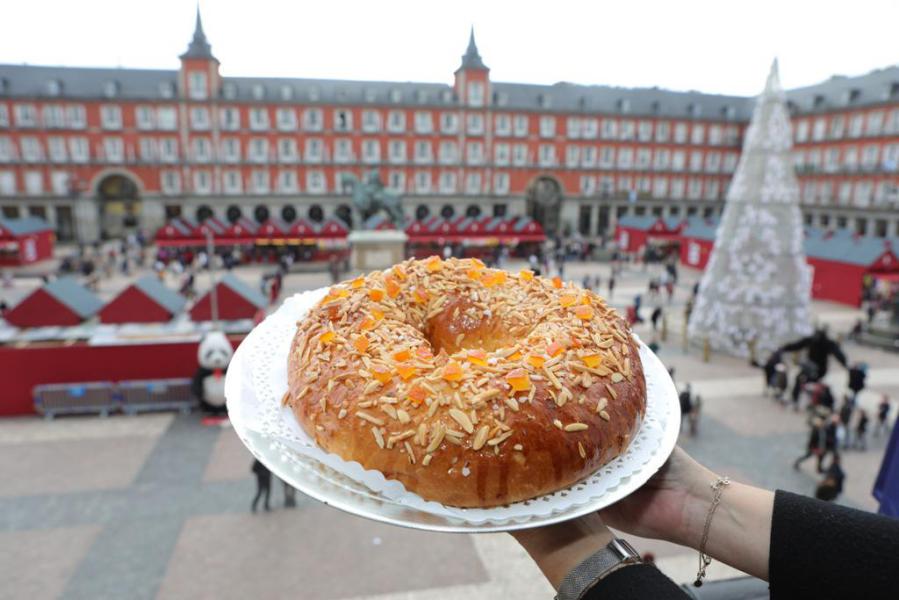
point(704, 559)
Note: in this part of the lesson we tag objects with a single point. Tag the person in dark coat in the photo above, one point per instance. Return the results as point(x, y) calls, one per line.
point(686, 403)
point(857, 375)
point(861, 430)
point(819, 348)
point(654, 318)
point(883, 413)
point(845, 418)
point(814, 447)
point(831, 440)
point(263, 484)
point(832, 485)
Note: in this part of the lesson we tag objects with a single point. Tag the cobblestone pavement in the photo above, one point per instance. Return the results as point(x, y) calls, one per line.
point(158, 505)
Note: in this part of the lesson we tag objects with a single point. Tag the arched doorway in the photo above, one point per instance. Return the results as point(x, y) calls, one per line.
point(119, 204)
point(544, 203)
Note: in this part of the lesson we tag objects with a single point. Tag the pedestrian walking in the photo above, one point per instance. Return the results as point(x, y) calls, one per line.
point(831, 439)
point(654, 318)
point(611, 285)
point(858, 372)
point(695, 412)
point(814, 447)
point(585, 282)
point(290, 495)
point(883, 413)
point(861, 430)
point(686, 404)
point(845, 419)
point(263, 484)
point(832, 484)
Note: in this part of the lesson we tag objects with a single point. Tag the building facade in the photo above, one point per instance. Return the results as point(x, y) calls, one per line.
point(99, 151)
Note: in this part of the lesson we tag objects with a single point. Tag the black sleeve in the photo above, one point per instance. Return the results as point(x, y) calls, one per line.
point(797, 345)
point(824, 550)
point(637, 582)
point(838, 353)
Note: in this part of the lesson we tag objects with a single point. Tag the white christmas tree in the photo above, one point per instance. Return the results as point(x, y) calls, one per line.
point(756, 286)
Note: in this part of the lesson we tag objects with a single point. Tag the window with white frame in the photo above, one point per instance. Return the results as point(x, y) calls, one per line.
point(199, 118)
point(606, 185)
point(475, 93)
point(890, 160)
point(26, 115)
point(315, 182)
point(678, 160)
point(607, 157)
point(625, 158)
point(573, 128)
point(696, 158)
point(110, 116)
point(713, 162)
point(288, 182)
point(801, 131)
point(712, 189)
point(4, 117)
point(229, 118)
point(627, 130)
point(501, 183)
point(423, 153)
point(502, 125)
point(819, 129)
point(875, 123)
point(588, 185)
point(258, 150)
point(424, 123)
point(814, 157)
point(286, 119)
point(856, 124)
point(663, 131)
point(589, 128)
point(662, 159)
point(449, 123)
point(196, 83)
point(572, 156)
point(892, 126)
point(474, 124)
point(473, 183)
point(659, 187)
point(715, 135)
point(423, 182)
point(644, 131)
point(677, 188)
point(343, 120)
point(547, 126)
point(259, 179)
point(144, 117)
point(588, 157)
point(287, 150)
point(680, 133)
point(232, 183)
point(447, 184)
point(397, 151)
point(230, 150)
point(520, 155)
point(396, 121)
point(521, 125)
point(314, 151)
point(147, 150)
point(730, 162)
point(167, 118)
point(697, 134)
point(625, 184)
point(79, 149)
point(870, 155)
point(59, 183)
point(845, 192)
point(170, 182)
point(609, 129)
point(694, 188)
point(546, 155)
point(31, 149)
point(371, 121)
point(396, 181)
point(54, 116)
point(56, 149)
point(313, 119)
point(474, 153)
point(837, 127)
point(113, 149)
point(34, 183)
point(502, 155)
point(643, 158)
point(259, 119)
point(343, 150)
point(448, 152)
point(202, 182)
point(371, 151)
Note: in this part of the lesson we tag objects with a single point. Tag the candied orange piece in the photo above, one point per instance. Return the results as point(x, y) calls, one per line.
point(592, 360)
point(555, 349)
point(376, 294)
point(536, 360)
point(327, 337)
point(585, 299)
point(515, 356)
point(433, 264)
point(526, 275)
point(402, 355)
point(400, 272)
point(424, 353)
point(405, 370)
point(367, 324)
point(493, 278)
point(452, 371)
point(473, 273)
point(478, 263)
point(420, 295)
point(393, 288)
point(377, 313)
point(477, 357)
point(584, 312)
point(361, 343)
point(357, 283)
point(567, 300)
point(381, 373)
point(417, 394)
point(557, 282)
point(519, 380)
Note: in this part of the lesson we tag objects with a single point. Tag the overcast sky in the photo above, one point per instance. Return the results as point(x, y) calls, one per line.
point(713, 46)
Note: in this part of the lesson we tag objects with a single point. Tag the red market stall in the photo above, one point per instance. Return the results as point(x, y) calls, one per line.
point(177, 232)
point(147, 300)
point(25, 241)
point(63, 301)
point(236, 300)
point(840, 265)
point(696, 243)
point(239, 233)
point(332, 229)
point(272, 232)
point(634, 233)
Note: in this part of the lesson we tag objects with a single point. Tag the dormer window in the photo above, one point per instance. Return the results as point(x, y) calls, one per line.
point(447, 96)
point(258, 91)
point(421, 96)
point(818, 102)
point(396, 96)
point(167, 89)
point(729, 112)
point(624, 106)
point(894, 89)
point(370, 95)
point(286, 92)
point(655, 107)
point(694, 110)
point(229, 91)
point(543, 101)
point(54, 87)
point(111, 89)
point(314, 94)
point(853, 96)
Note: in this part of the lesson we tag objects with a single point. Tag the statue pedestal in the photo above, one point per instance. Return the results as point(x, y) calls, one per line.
point(372, 250)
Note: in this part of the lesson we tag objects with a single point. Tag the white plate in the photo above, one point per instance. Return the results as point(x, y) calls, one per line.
point(257, 380)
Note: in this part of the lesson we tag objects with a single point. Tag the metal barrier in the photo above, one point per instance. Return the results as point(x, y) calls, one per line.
point(156, 394)
point(75, 398)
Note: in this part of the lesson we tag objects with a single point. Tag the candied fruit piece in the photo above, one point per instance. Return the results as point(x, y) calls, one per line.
point(417, 394)
point(381, 373)
point(567, 300)
point(433, 264)
point(519, 380)
point(367, 324)
point(526, 275)
point(555, 349)
point(557, 282)
point(377, 314)
point(473, 273)
point(452, 371)
point(477, 357)
point(400, 272)
point(376, 294)
point(536, 360)
point(357, 283)
point(584, 312)
point(405, 370)
point(402, 355)
point(393, 288)
point(515, 356)
point(361, 343)
point(327, 337)
point(420, 295)
point(424, 353)
point(592, 360)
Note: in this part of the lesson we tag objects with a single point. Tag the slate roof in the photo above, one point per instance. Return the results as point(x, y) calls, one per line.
point(699, 228)
point(637, 222)
point(472, 58)
point(251, 295)
point(199, 46)
point(839, 91)
point(75, 296)
point(167, 298)
point(24, 225)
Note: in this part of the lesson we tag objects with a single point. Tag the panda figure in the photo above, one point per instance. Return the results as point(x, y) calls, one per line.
point(208, 386)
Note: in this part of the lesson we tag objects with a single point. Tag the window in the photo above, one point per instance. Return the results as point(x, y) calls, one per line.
point(588, 157)
point(474, 153)
point(230, 151)
point(589, 129)
point(663, 131)
point(315, 182)
point(371, 121)
point(343, 150)
point(199, 118)
point(892, 123)
point(287, 150)
point(449, 123)
point(502, 125)
point(875, 123)
point(678, 160)
point(588, 185)
point(202, 182)
point(397, 151)
point(680, 133)
point(168, 150)
point(870, 156)
point(288, 182)
point(196, 83)
point(258, 150)
point(572, 156)
point(59, 183)
point(231, 182)
point(312, 119)
point(170, 182)
point(314, 151)
point(521, 125)
point(167, 118)
point(286, 119)
point(520, 155)
point(819, 130)
point(147, 150)
point(7, 183)
point(547, 127)
point(644, 131)
point(850, 158)
point(802, 131)
point(473, 184)
point(474, 124)
point(696, 161)
point(609, 129)
point(607, 157)
point(677, 188)
point(343, 120)
point(547, 155)
point(54, 116)
point(625, 158)
point(659, 187)
point(423, 152)
point(79, 149)
point(423, 182)
point(447, 183)
point(260, 182)
point(855, 125)
point(34, 183)
point(396, 181)
point(627, 130)
point(31, 149)
point(712, 190)
point(501, 183)
point(697, 134)
point(371, 151)
point(476, 93)
point(837, 126)
point(4, 117)
point(113, 149)
point(26, 115)
point(643, 158)
point(56, 149)
point(144, 117)
point(258, 119)
point(448, 153)
point(694, 189)
point(396, 121)
point(730, 162)
point(501, 154)
point(423, 122)
point(662, 159)
point(110, 116)
point(573, 128)
point(713, 162)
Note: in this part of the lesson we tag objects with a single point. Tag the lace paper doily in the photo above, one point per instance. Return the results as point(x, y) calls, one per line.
point(257, 380)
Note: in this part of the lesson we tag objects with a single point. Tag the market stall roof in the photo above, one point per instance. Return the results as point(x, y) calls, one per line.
point(332, 228)
point(13, 228)
point(63, 301)
point(175, 229)
point(701, 229)
point(272, 229)
point(241, 231)
point(868, 252)
point(640, 223)
point(658, 225)
point(379, 222)
point(147, 300)
point(301, 228)
point(236, 300)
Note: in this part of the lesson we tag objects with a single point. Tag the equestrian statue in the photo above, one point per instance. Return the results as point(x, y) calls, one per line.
point(370, 197)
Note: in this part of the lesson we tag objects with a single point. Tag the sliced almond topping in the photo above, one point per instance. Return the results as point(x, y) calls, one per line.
point(437, 435)
point(558, 423)
point(617, 377)
point(480, 438)
point(409, 452)
point(581, 451)
point(462, 419)
point(499, 439)
point(342, 413)
point(576, 427)
point(379, 439)
point(402, 415)
point(369, 418)
point(605, 416)
point(601, 404)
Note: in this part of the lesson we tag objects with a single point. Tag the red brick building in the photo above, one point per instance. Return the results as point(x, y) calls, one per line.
point(96, 151)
